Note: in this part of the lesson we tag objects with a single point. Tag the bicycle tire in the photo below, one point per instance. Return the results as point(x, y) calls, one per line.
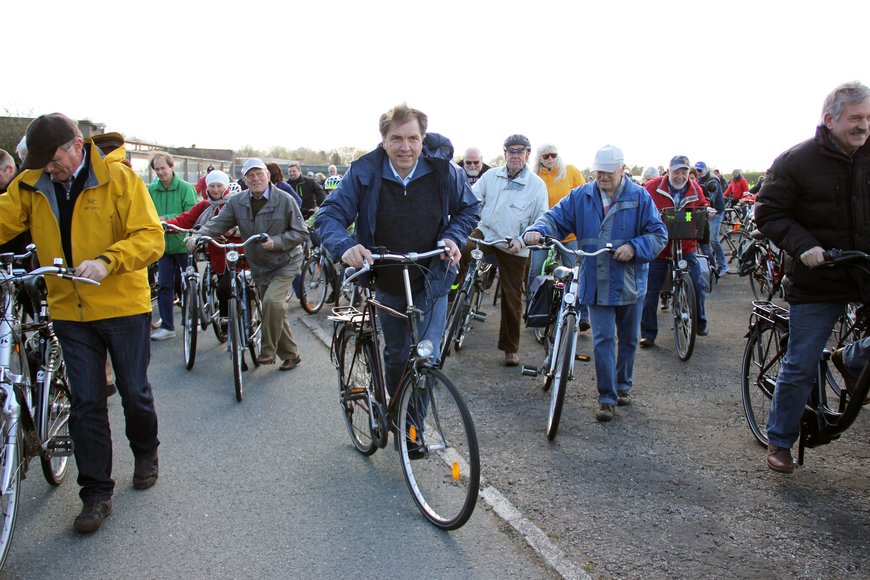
point(549, 349)
point(237, 347)
point(254, 325)
point(54, 412)
point(442, 467)
point(313, 285)
point(732, 244)
point(465, 320)
point(206, 306)
point(9, 453)
point(563, 373)
point(190, 322)
point(685, 311)
point(759, 279)
point(356, 389)
point(454, 317)
point(761, 363)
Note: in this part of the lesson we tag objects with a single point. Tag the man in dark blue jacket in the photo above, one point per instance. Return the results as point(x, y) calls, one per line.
point(404, 196)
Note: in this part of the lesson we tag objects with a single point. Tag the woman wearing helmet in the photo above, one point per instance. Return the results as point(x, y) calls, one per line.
point(331, 183)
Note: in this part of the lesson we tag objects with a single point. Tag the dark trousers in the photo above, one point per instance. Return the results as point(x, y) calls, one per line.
point(85, 345)
point(167, 268)
point(512, 274)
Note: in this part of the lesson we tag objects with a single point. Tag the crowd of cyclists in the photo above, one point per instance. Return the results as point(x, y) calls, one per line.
point(408, 195)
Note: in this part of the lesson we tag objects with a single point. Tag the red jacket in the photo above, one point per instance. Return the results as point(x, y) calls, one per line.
point(738, 189)
point(188, 219)
point(659, 190)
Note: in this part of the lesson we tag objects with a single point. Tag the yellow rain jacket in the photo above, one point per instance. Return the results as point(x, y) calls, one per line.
point(113, 217)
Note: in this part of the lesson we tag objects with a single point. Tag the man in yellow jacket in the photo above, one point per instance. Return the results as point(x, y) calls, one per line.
point(96, 215)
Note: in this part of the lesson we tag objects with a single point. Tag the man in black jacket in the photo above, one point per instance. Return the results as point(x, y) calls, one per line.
point(308, 189)
point(815, 198)
point(473, 165)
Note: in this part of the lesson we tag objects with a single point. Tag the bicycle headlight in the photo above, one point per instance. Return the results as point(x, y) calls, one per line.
point(232, 256)
point(682, 264)
point(425, 348)
point(476, 254)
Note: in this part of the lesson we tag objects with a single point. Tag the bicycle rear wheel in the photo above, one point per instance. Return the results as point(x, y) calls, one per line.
point(685, 316)
point(467, 315)
point(760, 280)
point(454, 320)
point(54, 421)
point(563, 372)
point(762, 359)
point(190, 321)
point(10, 462)
point(733, 244)
point(237, 347)
point(367, 431)
point(313, 285)
point(438, 448)
point(254, 334)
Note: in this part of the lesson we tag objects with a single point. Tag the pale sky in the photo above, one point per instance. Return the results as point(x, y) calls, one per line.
point(730, 83)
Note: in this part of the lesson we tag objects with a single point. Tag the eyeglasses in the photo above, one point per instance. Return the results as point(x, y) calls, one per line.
point(515, 150)
point(549, 155)
point(469, 162)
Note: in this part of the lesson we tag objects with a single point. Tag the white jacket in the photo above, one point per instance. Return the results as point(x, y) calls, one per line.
point(508, 207)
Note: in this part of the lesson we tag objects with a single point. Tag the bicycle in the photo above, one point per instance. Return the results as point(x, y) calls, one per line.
point(34, 393)
point(431, 424)
point(828, 411)
point(683, 225)
point(320, 277)
point(465, 307)
point(191, 311)
point(562, 327)
point(768, 272)
point(244, 310)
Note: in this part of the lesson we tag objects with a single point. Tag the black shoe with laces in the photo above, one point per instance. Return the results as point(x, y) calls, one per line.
point(92, 516)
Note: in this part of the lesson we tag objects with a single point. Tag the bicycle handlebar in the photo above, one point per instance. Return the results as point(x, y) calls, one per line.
point(549, 242)
point(506, 241)
point(353, 273)
point(56, 271)
point(180, 230)
point(200, 240)
point(835, 256)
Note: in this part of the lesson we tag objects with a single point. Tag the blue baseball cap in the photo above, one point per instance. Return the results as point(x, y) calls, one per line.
point(679, 162)
point(701, 166)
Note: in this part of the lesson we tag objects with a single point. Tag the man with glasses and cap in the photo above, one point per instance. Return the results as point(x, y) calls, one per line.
point(674, 190)
point(713, 190)
point(67, 194)
point(263, 208)
point(511, 198)
point(612, 209)
point(473, 165)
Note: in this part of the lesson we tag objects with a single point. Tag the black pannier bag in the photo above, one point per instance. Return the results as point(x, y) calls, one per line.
point(541, 302)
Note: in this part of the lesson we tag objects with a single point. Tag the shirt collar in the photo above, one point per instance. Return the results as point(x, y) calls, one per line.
point(408, 179)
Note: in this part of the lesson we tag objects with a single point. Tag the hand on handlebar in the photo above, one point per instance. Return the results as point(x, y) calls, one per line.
point(515, 246)
point(533, 238)
point(813, 257)
point(453, 253)
point(268, 244)
point(624, 253)
point(92, 270)
point(356, 255)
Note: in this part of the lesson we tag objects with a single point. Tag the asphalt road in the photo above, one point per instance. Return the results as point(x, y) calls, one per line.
point(268, 488)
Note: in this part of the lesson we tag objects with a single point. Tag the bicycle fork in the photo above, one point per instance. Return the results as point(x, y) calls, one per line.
point(11, 413)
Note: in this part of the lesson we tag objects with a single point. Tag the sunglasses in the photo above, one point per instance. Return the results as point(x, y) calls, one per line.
point(549, 155)
point(467, 162)
point(515, 150)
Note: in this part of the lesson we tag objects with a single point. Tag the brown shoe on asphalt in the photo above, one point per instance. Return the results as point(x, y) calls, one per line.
point(779, 459)
point(265, 359)
point(290, 363)
point(623, 398)
point(848, 377)
point(604, 413)
point(511, 359)
point(145, 471)
point(646, 342)
point(92, 516)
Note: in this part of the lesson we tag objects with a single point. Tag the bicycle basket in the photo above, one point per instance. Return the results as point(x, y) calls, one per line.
point(685, 224)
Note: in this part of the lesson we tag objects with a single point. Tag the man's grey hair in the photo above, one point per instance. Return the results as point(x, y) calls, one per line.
point(561, 170)
point(473, 151)
point(650, 173)
point(6, 160)
point(293, 163)
point(845, 94)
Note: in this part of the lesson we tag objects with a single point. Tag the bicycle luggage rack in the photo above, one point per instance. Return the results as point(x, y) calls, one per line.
point(347, 314)
point(770, 312)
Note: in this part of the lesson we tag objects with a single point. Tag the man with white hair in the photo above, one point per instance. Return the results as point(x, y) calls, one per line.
point(263, 208)
point(473, 165)
point(610, 209)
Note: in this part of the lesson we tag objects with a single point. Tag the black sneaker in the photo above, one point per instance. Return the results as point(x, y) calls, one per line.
point(92, 516)
point(604, 413)
point(583, 325)
point(623, 398)
point(145, 471)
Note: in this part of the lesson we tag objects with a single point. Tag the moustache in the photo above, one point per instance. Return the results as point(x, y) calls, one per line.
point(858, 131)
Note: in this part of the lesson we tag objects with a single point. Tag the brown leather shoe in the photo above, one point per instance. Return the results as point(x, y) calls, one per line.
point(265, 360)
point(511, 359)
point(848, 377)
point(290, 363)
point(779, 459)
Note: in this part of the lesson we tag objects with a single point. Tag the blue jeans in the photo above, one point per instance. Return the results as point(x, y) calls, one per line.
point(717, 253)
point(397, 335)
point(856, 354)
point(809, 328)
point(614, 364)
point(536, 262)
point(166, 270)
point(658, 269)
point(85, 345)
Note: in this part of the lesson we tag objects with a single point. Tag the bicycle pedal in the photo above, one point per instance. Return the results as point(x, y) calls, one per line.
point(478, 316)
point(530, 371)
point(59, 446)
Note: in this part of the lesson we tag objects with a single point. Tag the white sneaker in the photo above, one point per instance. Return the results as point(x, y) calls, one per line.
point(162, 334)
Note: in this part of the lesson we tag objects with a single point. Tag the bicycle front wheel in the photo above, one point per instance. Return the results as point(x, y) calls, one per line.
point(762, 359)
point(438, 447)
point(54, 408)
point(563, 371)
point(190, 321)
point(685, 316)
point(254, 334)
point(466, 316)
point(237, 347)
point(366, 425)
point(760, 279)
point(10, 462)
point(313, 285)
point(454, 319)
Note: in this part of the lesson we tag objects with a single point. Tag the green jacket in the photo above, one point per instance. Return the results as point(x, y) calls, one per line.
point(171, 203)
